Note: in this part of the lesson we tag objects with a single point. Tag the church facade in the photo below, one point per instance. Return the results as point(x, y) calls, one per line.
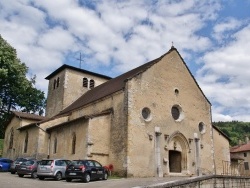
point(151, 121)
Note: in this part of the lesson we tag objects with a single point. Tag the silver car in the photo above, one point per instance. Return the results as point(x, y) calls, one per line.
point(52, 168)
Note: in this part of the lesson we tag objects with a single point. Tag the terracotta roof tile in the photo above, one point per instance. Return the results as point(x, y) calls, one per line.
point(109, 87)
point(240, 148)
point(28, 116)
point(76, 69)
point(116, 84)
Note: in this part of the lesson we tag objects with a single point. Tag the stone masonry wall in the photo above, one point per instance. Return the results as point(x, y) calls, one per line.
point(164, 85)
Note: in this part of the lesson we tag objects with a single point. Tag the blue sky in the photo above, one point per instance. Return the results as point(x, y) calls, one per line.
point(114, 36)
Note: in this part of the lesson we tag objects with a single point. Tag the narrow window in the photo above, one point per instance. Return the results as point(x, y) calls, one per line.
point(55, 145)
point(26, 142)
point(245, 154)
point(11, 138)
point(57, 82)
point(91, 84)
point(85, 82)
point(246, 165)
point(54, 86)
point(74, 143)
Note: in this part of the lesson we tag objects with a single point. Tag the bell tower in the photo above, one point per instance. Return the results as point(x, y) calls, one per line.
point(68, 83)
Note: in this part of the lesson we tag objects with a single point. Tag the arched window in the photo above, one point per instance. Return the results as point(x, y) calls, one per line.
point(54, 85)
point(85, 82)
point(26, 142)
point(91, 84)
point(57, 82)
point(11, 138)
point(55, 145)
point(74, 143)
point(202, 127)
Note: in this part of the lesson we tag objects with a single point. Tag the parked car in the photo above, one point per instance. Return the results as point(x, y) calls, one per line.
point(86, 170)
point(15, 164)
point(28, 167)
point(5, 164)
point(52, 168)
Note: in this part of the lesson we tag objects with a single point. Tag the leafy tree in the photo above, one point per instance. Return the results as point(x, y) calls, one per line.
point(235, 130)
point(16, 91)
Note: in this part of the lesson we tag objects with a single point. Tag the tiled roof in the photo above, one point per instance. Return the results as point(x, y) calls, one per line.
point(28, 116)
point(76, 69)
point(109, 87)
point(240, 148)
point(115, 85)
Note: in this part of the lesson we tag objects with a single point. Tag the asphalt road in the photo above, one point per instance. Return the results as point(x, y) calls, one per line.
point(8, 180)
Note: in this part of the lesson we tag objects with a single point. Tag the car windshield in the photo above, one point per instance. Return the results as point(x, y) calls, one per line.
point(29, 162)
point(46, 162)
point(77, 162)
point(20, 161)
point(5, 160)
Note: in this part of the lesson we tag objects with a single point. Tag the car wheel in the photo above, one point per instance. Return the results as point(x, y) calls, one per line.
point(105, 176)
point(86, 178)
point(68, 179)
point(58, 176)
point(41, 178)
point(34, 174)
point(20, 175)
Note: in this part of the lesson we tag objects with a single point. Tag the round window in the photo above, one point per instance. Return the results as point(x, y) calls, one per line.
point(175, 112)
point(202, 128)
point(146, 113)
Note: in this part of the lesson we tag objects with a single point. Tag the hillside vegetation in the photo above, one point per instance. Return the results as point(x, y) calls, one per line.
point(235, 130)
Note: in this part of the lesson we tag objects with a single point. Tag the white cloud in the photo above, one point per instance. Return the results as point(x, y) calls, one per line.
point(121, 35)
point(63, 42)
point(223, 29)
point(225, 76)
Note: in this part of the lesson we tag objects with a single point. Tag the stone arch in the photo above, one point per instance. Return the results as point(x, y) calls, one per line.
point(178, 149)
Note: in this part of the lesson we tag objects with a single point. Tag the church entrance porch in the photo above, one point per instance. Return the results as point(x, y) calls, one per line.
point(176, 158)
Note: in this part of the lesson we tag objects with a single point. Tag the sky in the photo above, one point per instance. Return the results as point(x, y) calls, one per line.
point(115, 36)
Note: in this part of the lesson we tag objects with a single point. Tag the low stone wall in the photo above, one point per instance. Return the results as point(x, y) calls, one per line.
point(211, 181)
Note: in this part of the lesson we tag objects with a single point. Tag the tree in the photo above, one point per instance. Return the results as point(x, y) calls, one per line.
point(16, 91)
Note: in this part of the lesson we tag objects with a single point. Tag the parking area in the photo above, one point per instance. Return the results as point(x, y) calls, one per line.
point(8, 180)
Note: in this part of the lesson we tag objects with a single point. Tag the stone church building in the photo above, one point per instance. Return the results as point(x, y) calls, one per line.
point(151, 121)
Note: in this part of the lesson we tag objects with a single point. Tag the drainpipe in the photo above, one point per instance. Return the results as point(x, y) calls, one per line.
point(158, 152)
point(197, 154)
point(48, 150)
point(213, 149)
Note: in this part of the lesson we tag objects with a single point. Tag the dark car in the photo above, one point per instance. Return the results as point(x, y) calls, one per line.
point(5, 164)
point(86, 170)
point(28, 167)
point(15, 164)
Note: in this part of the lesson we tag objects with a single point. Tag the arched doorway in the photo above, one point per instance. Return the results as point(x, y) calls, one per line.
point(174, 161)
point(178, 149)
